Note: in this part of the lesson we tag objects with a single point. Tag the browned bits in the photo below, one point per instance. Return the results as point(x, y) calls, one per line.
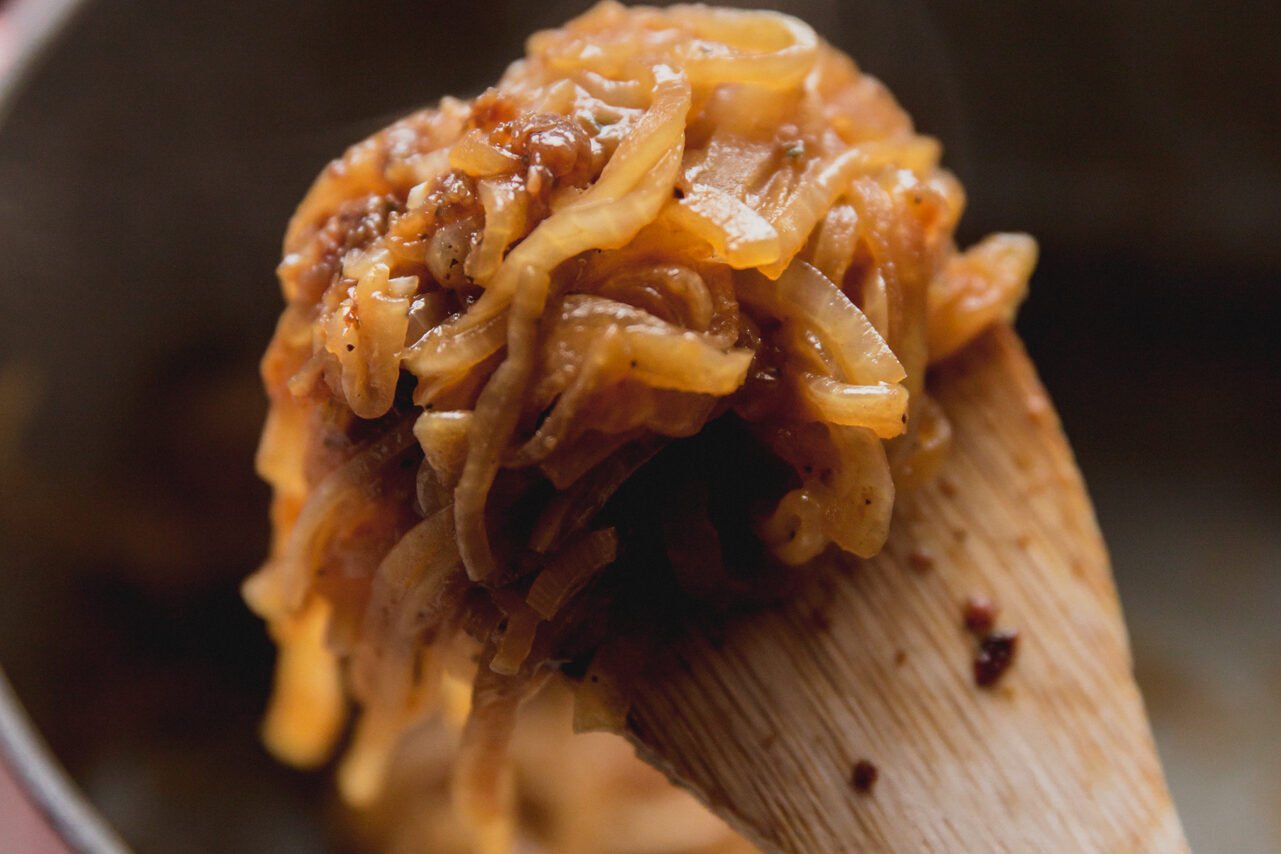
point(979, 613)
point(550, 142)
point(996, 652)
point(454, 197)
point(491, 108)
point(557, 148)
point(447, 253)
point(356, 223)
point(863, 777)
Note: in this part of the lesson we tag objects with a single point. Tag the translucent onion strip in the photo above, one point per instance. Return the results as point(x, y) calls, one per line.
point(366, 335)
point(738, 234)
point(395, 679)
point(684, 362)
point(835, 244)
point(760, 48)
point(881, 408)
point(497, 411)
point(806, 295)
point(571, 568)
point(307, 708)
point(506, 207)
point(483, 783)
point(443, 437)
point(478, 157)
point(520, 629)
point(825, 182)
point(794, 531)
point(860, 500)
point(452, 348)
point(280, 587)
point(978, 288)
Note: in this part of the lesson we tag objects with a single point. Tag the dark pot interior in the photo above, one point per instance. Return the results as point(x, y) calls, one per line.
point(152, 153)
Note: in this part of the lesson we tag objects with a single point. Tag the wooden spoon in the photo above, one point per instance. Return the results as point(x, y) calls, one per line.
point(766, 718)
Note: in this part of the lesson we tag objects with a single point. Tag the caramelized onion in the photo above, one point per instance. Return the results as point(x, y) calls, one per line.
point(506, 206)
point(881, 408)
point(366, 335)
point(805, 294)
point(739, 235)
point(978, 288)
point(280, 587)
point(663, 301)
point(570, 569)
point(476, 156)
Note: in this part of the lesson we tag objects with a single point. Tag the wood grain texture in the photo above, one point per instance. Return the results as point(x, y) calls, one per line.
point(765, 719)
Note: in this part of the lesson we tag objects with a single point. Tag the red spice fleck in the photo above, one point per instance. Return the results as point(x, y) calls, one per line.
point(819, 619)
point(920, 560)
point(980, 613)
point(996, 653)
point(863, 777)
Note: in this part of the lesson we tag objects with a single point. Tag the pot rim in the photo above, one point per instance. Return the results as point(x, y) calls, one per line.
point(32, 26)
point(47, 784)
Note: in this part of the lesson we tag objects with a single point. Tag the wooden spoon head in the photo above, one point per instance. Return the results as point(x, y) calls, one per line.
point(767, 719)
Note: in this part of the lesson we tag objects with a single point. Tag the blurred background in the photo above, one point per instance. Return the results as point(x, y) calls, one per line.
point(150, 153)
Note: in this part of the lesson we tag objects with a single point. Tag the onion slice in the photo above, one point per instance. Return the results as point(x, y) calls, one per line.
point(804, 294)
point(881, 408)
point(571, 568)
point(978, 288)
